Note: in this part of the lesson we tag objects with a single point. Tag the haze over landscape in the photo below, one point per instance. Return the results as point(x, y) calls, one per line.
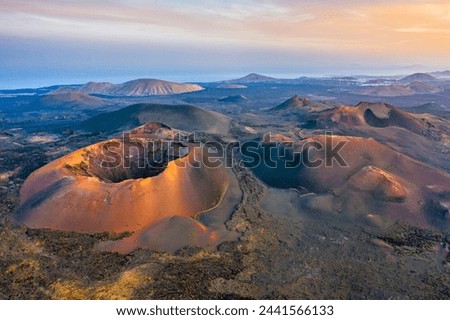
point(65, 42)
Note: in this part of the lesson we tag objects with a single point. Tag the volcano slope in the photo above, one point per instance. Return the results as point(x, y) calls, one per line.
point(146, 182)
point(366, 181)
point(298, 106)
point(297, 241)
point(423, 137)
point(184, 117)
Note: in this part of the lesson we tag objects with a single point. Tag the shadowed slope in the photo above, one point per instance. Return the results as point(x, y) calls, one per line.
point(76, 100)
point(298, 104)
point(67, 101)
point(235, 99)
point(431, 108)
point(183, 117)
point(165, 235)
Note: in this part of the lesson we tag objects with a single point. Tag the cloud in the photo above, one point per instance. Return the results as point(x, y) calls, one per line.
point(342, 25)
point(240, 24)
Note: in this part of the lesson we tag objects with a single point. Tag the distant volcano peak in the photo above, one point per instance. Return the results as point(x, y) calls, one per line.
point(301, 104)
point(137, 88)
point(253, 77)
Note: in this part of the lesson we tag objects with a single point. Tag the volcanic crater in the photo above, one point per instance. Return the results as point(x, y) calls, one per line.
point(127, 185)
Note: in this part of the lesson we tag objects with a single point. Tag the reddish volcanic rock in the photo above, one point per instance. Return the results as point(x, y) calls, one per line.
point(78, 192)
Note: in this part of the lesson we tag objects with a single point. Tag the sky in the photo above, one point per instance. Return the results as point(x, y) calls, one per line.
point(45, 42)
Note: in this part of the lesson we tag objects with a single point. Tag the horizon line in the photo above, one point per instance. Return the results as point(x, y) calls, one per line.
point(204, 78)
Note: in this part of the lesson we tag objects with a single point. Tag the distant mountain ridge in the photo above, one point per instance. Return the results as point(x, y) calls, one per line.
point(236, 98)
point(71, 99)
point(440, 74)
point(417, 77)
point(399, 89)
point(137, 88)
point(431, 108)
point(252, 78)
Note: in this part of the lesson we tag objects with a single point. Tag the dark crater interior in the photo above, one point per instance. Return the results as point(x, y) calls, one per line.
point(115, 161)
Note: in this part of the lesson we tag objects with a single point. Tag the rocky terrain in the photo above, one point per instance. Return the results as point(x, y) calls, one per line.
point(376, 227)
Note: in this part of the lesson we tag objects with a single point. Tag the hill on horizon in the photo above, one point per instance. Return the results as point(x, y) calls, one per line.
point(440, 74)
point(235, 98)
point(72, 99)
point(418, 77)
point(399, 89)
point(252, 78)
point(135, 88)
point(68, 101)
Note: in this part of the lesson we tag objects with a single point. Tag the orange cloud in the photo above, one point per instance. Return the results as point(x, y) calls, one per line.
point(394, 28)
